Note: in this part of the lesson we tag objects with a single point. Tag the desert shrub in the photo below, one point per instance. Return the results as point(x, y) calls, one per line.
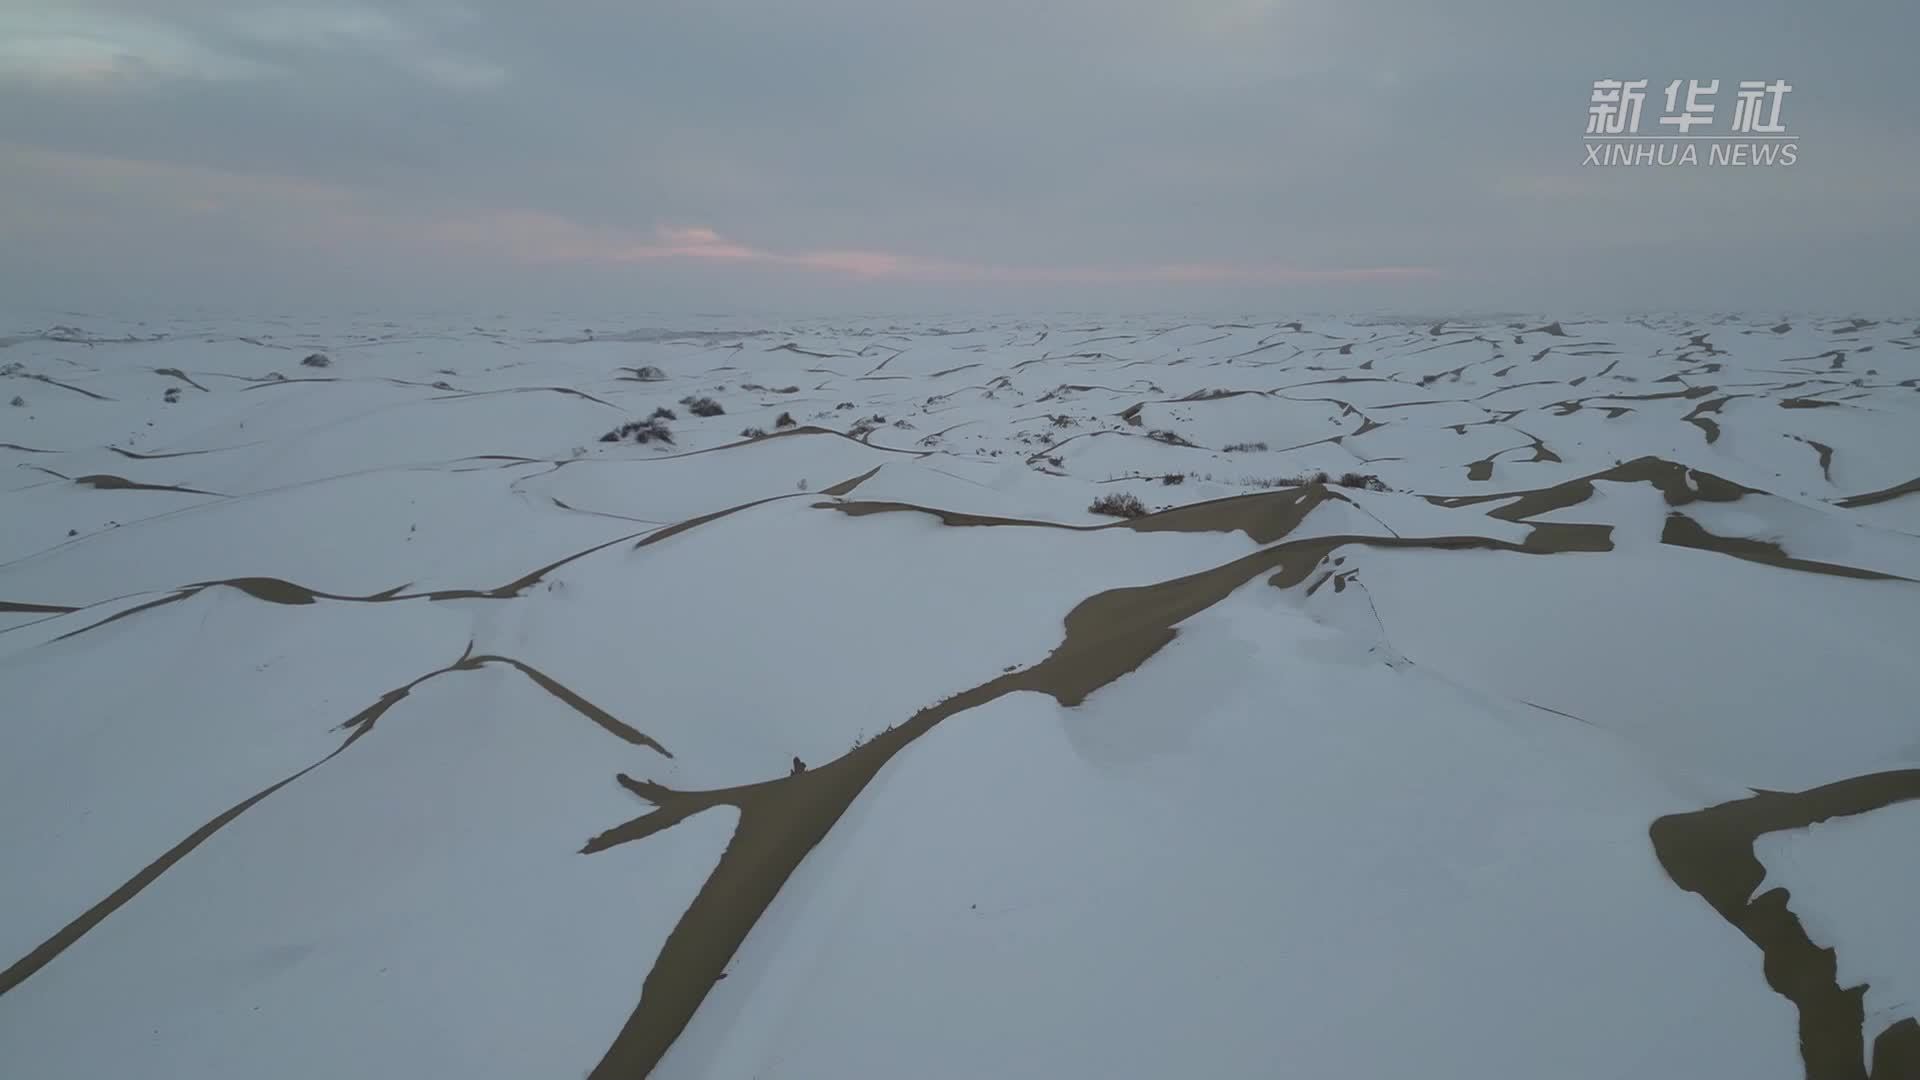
point(1244, 447)
point(786, 420)
point(1173, 478)
point(1365, 481)
point(1062, 420)
point(786, 389)
point(1302, 480)
point(1169, 437)
point(18, 401)
point(316, 360)
point(862, 428)
point(172, 396)
point(753, 433)
point(652, 429)
point(704, 406)
point(648, 373)
point(751, 386)
point(664, 413)
point(1120, 504)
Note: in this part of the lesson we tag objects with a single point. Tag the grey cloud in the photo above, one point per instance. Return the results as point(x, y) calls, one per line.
point(1315, 135)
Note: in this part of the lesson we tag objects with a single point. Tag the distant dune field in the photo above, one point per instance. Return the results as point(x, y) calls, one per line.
point(961, 698)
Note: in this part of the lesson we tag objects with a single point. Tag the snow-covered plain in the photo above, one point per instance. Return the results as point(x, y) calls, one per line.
point(372, 715)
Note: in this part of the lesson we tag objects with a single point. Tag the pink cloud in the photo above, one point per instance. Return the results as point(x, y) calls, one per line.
point(708, 244)
point(347, 221)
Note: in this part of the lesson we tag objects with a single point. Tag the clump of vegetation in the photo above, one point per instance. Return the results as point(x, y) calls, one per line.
point(903, 425)
point(1171, 438)
point(1303, 480)
point(652, 429)
point(316, 360)
point(18, 401)
point(843, 406)
point(172, 395)
point(1244, 447)
point(702, 406)
point(1120, 504)
point(273, 376)
point(1173, 478)
point(663, 413)
point(1364, 481)
point(786, 420)
point(862, 428)
point(753, 433)
point(1062, 420)
point(648, 373)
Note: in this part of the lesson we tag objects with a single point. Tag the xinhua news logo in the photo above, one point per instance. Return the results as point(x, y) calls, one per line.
point(1755, 135)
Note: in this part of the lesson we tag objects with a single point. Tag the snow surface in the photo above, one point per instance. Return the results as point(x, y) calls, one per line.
point(1852, 881)
point(316, 680)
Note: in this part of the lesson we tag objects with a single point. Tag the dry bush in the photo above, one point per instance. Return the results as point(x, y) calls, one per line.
point(650, 430)
point(1120, 504)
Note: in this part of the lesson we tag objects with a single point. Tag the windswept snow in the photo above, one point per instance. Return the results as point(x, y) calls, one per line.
point(1471, 698)
point(1852, 882)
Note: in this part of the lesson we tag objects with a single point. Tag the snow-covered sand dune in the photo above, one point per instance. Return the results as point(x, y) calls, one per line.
point(514, 699)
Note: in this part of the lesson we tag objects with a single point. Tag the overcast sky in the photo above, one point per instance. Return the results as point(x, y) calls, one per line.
point(855, 155)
